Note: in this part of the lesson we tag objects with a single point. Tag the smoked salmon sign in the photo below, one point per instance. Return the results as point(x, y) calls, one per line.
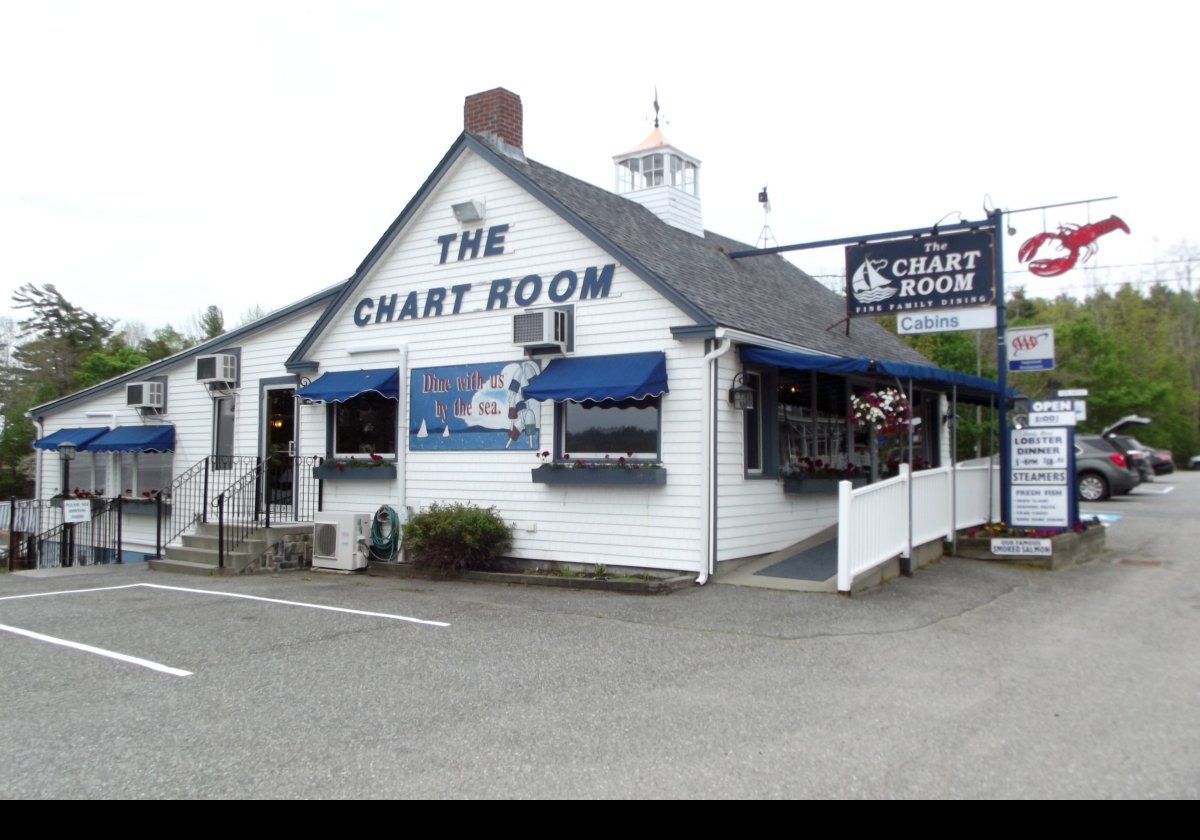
point(930, 273)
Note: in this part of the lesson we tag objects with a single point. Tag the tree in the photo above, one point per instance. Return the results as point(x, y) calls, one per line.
point(166, 341)
point(209, 324)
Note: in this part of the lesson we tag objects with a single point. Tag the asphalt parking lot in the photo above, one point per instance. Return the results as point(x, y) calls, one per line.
point(968, 680)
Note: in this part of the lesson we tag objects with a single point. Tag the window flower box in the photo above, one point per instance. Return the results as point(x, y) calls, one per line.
point(336, 469)
point(143, 507)
point(97, 501)
point(600, 474)
point(819, 485)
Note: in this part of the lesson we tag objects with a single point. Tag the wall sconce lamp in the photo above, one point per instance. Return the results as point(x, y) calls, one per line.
point(741, 396)
point(468, 212)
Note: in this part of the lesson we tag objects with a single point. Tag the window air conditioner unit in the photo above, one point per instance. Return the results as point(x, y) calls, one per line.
point(220, 369)
point(337, 538)
point(541, 330)
point(144, 394)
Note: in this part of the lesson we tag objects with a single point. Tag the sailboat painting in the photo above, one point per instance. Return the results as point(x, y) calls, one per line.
point(868, 285)
point(473, 407)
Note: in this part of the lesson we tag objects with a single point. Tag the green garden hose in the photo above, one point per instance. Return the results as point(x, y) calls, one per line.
point(385, 534)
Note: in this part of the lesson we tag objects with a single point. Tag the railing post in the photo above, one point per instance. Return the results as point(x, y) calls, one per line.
point(204, 501)
point(158, 525)
point(906, 561)
point(265, 479)
point(12, 533)
point(221, 531)
point(120, 531)
point(845, 579)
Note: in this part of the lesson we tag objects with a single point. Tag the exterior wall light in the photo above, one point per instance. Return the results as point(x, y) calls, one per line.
point(741, 396)
point(468, 212)
point(66, 451)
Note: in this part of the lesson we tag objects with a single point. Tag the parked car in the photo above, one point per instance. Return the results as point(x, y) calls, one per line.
point(1194, 462)
point(1163, 461)
point(1135, 452)
point(1100, 470)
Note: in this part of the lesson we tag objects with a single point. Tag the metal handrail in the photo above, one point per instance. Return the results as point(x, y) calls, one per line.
point(188, 495)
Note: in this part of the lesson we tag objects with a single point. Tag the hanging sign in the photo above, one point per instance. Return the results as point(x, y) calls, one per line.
point(1043, 413)
point(1030, 348)
point(1070, 239)
point(77, 510)
point(952, 320)
point(472, 407)
point(1040, 478)
point(951, 270)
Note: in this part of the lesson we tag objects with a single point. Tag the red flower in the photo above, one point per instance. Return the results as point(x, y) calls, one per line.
point(621, 460)
point(341, 467)
point(375, 457)
point(628, 453)
point(566, 457)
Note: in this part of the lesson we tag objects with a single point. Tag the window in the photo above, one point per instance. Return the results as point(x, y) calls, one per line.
point(683, 174)
point(753, 425)
point(629, 428)
point(652, 170)
point(629, 175)
point(223, 433)
point(144, 472)
point(365, 424)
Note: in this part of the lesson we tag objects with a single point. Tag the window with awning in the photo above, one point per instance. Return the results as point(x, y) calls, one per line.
point(608, 406)
point(363, 409)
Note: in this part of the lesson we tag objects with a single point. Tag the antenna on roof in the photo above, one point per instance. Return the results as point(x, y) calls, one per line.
point(766, 238)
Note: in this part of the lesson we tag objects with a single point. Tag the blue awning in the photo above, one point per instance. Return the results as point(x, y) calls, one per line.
point(339, 386)
point(136, 439)
point(971, 385)
point(80, 437)
point(630, 376)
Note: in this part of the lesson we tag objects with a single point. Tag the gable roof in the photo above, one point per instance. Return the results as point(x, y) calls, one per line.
point(224, 340)
point(765, 295)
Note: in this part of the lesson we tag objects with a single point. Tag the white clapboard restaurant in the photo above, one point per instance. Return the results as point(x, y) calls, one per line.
point(591, 362)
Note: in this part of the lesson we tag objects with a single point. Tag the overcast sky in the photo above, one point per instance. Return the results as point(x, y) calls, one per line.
point(156, 158)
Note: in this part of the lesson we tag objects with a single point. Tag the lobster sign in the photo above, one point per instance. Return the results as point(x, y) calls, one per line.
point(1071, 239)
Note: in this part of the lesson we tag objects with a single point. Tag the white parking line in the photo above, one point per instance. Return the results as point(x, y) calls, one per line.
point(347, 610)
point(111, 654)
point(1160, 491)
point(298, 604)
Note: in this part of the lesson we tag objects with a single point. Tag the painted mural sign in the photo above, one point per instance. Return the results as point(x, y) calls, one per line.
point(947, 271)
point(472, 407)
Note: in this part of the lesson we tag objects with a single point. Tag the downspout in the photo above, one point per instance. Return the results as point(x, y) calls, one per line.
point(708, 470)
point(402, 439)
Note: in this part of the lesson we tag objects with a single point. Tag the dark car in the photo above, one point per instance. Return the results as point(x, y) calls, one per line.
point(1135, 452)
point(1100, 470)
point(1163, 461)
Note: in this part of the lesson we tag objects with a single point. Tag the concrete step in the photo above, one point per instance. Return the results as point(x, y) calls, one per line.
point(256, 544)
point(185, 567)
point(235, 560)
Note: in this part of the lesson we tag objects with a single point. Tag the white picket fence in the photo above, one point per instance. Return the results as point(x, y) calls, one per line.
point(873, 521)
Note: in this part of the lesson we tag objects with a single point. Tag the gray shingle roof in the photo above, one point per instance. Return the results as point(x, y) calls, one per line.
point(764, 295)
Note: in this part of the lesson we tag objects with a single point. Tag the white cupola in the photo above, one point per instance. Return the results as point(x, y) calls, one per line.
point(663, 179)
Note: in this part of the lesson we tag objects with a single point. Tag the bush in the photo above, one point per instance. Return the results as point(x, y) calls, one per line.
point(457, 537)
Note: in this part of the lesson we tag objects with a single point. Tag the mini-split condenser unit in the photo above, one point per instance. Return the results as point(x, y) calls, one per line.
point(219, 369)
point(542, 330)
point(145, 394)
point(339, 541)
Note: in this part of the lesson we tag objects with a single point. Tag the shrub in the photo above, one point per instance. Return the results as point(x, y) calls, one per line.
point(457, 537)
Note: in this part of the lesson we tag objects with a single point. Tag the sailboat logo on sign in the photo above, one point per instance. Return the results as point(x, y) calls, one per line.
point(868, 285)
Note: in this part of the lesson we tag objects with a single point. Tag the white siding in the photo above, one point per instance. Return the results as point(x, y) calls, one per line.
point(189, 409)
point(754, 516)
point(655, 527)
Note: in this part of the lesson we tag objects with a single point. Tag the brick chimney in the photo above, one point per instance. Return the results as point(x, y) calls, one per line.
point(496, 112)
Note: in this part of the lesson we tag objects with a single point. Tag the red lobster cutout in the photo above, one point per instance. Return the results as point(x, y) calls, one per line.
point(1072, 238)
